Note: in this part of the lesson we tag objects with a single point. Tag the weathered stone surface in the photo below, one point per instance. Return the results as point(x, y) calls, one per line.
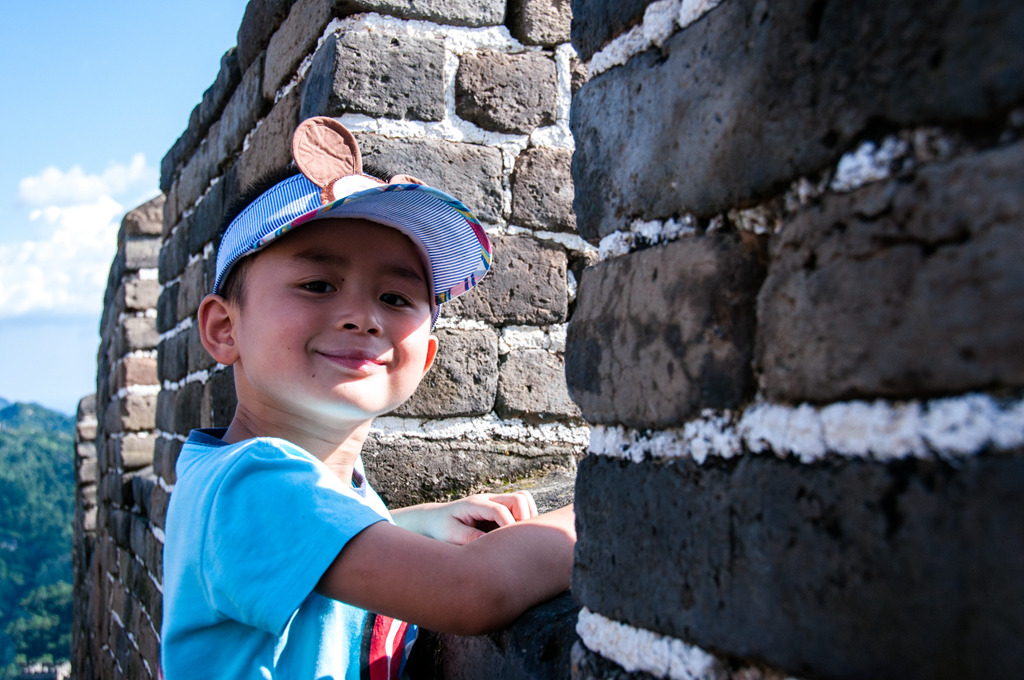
point(394, 76)
point(135, 452)
point(191, 290)
point(535, 647)
point(413, 470)
point(138, 294)
point(271, 145)
point(245, 107)
point(900, 289)
point(135, 370)
point(703, 99)
point(542, 190)
point(141, 252)
point(579, 75)
point(172, 357)
point(220, 393)
point(550, 490)
point(597, 22)
point(540, 22)
point(471, 172)
point(660, 334)
point(531, 386)
point(513, 93)
point(198, 358)
point(165, 457)
point(167, 308)
point(463, 379)
point(844, 569)
point(450, 12)
point(526, 285)
point(138, 332)
point(188, 408)
point(174, 253)
point(588, 665)
point(145, 220)
point(206, 219)
point(217, 95)
point(260, 20)
point(292, 41)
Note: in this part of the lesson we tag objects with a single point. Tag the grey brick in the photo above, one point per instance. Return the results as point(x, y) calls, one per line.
point(542, 190)
point(526, 285)
point(260, 20)
point(206, 219)
point(702, 99)
point(842, 569)
point(139, 294)
point(660, 334)
point(166, 406)
point(271, 145)
point(172, 358)
point(377, 75)
point(220, 393)
point(191, 290)
point(198, 358)
point(165, 457)
point(245, 107)
point(531, 386)
point(540, 22)
point(217, 95)
point(596, 22)
point(174, 253)
point(900, 289)
point(145, 220)
point(469, 172)
point(187, 412)
point(141, 252)
point(292, 41)
point(450, 12)
point(139, 332)
point(167, 309)
point(463, 379)
point(513, 93)
point(86, 406)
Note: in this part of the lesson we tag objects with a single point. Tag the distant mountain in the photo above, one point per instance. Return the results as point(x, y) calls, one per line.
point(34, 417)
point(4, 403)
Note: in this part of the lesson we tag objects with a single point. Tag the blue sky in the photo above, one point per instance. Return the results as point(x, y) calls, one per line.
point(95, 94)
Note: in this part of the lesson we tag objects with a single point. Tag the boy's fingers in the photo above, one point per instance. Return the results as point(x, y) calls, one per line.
point(464, 534)
point(491, 511)
point(520, 503)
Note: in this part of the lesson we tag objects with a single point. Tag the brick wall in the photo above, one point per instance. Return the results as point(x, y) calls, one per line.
point(473, 97)
point(800, 352)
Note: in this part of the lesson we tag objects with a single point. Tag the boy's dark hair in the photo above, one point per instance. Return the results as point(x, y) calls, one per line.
point(233, 287)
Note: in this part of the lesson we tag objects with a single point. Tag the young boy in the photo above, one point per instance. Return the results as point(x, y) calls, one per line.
point(280, 560)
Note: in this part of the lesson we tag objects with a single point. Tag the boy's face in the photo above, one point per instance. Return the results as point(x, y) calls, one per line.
point(335, 322)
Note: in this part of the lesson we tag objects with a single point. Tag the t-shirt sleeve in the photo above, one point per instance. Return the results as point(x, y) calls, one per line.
point(276, 522)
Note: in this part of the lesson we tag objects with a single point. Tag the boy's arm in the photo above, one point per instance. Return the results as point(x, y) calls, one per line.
point(469, 589)
point(461, 521)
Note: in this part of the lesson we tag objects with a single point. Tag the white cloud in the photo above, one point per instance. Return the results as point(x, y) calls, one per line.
point(67, 272)
point(55, 187)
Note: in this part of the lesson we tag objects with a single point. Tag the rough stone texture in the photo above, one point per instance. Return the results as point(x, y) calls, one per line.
point(450, 12)
point(206, 219)
point(138, 332)
point(513, 93)
point(526, 285)
point(536, 647)
point(550, 491)
point(137, 371)
point(587, 665)
point(463, 379)
point(172, 357)
point(415, 470)
point(138, 295)
point(471, 172)
point(377, 75)
point(844, 569)
point(579, 75)
point(271, 145)
point(293, 40)
point(191, 290)
point(220, 393)
point(174, 253)
point(167, 308)
point(146, 220)
point(198, 358)
point(245, 107)
point(596, 22)
point(531, 386)
point(542, 190)
point(141, 253)
point(900, 289)
point(703, 99)
point(539, 22)
point(660, 334)
point(261, 19)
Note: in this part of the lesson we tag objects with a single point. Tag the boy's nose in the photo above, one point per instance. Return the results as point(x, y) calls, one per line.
point(358, 315)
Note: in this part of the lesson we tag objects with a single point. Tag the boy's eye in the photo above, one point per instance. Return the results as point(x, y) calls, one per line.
point(394, 300)
point(318, 287)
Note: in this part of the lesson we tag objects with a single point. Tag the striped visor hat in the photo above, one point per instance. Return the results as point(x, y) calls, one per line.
point(455, 249)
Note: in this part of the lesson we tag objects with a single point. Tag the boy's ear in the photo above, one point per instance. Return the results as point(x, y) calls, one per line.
point(216, 320)
point(432, 345)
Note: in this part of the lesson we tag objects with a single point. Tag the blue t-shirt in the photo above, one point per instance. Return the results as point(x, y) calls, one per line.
point(251, 528)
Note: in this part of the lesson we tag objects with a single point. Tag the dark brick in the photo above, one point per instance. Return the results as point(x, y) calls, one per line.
point(172, 358)
point(292, 41)
point(542, 190)
point(121, 527)
point(900, 290)
point(450, 12)
point(660, 334)
point(157, 509)
point(245, 107)
point(206, 219)
point(513, 93)
point(198, 358)
point(588, 665)
point(415, 470)
point(198, 171)
point(145, 220)
point(142, 487)
point(271, 145)
point(842, 569)
point(217, 95)
point(260, 20)
point(469, 172)
point(86, 406)
point(180, 151)
point(166, 406)
point(531, 386)
point(934, 62)
point(526, 285)
point(377, 75)
point(463, 379)
point(596, 22)
point(141, 252)
point(188, 408)
point(191, 290)
point(167, 309)
point(220, 391)
point(174, 253)
point(165, 457)
point(539, 22)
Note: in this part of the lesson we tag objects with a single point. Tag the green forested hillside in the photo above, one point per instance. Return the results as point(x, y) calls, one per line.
point(37, 483)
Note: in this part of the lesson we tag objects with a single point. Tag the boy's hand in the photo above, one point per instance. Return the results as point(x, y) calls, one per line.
point(466, 520)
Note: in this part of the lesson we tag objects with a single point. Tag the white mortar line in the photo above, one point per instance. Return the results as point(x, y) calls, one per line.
point(949, 428)
point(181, 326)
point(480, 428)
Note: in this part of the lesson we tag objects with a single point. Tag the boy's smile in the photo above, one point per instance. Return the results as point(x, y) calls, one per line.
point(334, 326)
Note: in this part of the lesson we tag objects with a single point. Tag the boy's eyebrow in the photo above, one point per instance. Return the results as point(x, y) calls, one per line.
point(318, 256)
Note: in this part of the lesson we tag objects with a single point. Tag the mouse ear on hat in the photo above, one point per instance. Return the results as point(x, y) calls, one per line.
point(325, 151)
